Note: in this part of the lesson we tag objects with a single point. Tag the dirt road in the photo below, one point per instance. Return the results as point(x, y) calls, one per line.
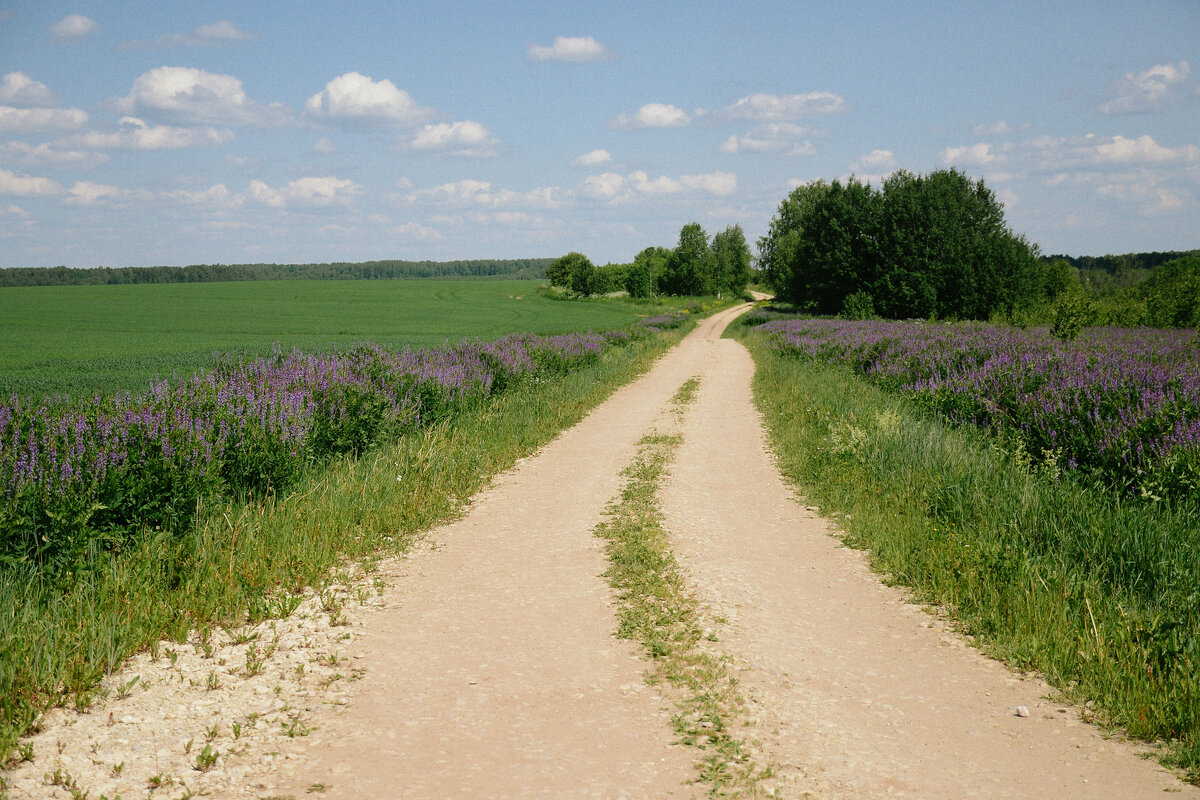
point(490, 669)
point(498, 675)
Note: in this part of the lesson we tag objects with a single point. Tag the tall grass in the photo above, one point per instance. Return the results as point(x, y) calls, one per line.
point(240, 562)
point(1098, 592)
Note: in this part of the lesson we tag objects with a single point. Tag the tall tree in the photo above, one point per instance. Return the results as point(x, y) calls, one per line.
point(731, 261)
point(776, 250)
point(690, 266)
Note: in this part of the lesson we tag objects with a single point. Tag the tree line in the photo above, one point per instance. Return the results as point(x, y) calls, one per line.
point(528, 268)
point(696, 266)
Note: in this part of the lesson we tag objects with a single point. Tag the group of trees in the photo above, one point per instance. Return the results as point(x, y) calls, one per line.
point(210, 273)
point(927, 246)
point(695, 267)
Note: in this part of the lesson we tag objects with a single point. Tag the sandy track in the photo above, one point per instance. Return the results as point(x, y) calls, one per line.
point(497, 674)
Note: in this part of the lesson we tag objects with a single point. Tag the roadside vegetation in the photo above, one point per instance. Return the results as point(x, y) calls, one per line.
point(240, 553)
point(1089, 581)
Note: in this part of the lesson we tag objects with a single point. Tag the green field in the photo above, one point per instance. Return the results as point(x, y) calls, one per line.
point(78, 340)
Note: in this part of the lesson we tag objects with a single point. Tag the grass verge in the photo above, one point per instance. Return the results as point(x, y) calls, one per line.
point(246, 562)
point(656, 609)
point(1045, 574)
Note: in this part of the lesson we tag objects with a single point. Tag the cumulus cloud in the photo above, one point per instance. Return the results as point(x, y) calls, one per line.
point(216, 34)
point(875, 161)
point(1000, 128)
point(469, 192)
point(21, 91)
point(592, 159)
point(50, 155)
point(87, 193)
point(217, 195)
point(781, 138)
point(73, 28)
point(715, 183)
point(1053, 153)
point(1146, 92)
point(134, 134)
point(1143, 150)
point(312, 192)
point(569, 48)
point(975, 155)
point(27, 186)
point(356, 100)
point(324, 146)
point(466, 138)
point(787, 107)
point(613, 187)
point(190, 95)
point(415, 231)
point(40, 120)
point(653, 115)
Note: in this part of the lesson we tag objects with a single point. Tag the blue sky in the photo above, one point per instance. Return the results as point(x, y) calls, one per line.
point(142, 133)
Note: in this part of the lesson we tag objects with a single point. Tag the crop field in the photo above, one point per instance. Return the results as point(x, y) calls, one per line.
point(79, 340)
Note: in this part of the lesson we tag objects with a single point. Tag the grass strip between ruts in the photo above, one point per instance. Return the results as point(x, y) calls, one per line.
point(658, 611)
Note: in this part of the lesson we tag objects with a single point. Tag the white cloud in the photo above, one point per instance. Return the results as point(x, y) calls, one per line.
point(717, 183)
point(614, 188)
point(786, 107)
point(36, 120)
point(73, 28)
point(469, 192)
point(605, 186)
point(315, 192)
point(86, 193)
point(135, 134)
point(1145, 191)
point(19, 90)
point(1148, 91)
point(1000, 128)
point(27, 186)
point(47, 154)
point(1143, 150)
point(569, 48)
point(415, 231)
point(213, 35)
point(14, 211)
point(783, 138)
point(875, 161)
point(195, 96)
point(217, 196)
point(357, 100)
point(466, 138)
point(975, 155)
point(592, 159)
point(1052, 153)
point(324, 146)
point(1008, 197)
point(653, 115)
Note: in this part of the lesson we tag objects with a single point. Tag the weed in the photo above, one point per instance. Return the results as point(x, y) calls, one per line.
point(206, 759)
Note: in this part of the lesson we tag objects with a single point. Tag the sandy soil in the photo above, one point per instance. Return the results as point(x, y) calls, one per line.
point(487, 668)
